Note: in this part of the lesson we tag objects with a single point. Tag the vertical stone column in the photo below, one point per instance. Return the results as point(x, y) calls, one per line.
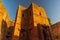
point(46, 32)
point(40, 32)
point(0, 27)
point(34, 34)
point(23, 34)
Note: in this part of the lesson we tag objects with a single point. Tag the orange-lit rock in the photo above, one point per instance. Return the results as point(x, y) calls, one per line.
point(5, 21)
point(30, 24)
point(25, 27)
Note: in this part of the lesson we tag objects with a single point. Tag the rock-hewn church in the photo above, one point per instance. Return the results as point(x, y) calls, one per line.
point(30, 24)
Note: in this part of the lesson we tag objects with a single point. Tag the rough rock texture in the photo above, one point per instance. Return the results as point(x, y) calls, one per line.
point(56, 31)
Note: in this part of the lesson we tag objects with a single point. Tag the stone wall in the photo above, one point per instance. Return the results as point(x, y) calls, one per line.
point(56, 31)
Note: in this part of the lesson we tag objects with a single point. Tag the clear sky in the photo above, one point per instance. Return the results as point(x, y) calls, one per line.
point(52, 7)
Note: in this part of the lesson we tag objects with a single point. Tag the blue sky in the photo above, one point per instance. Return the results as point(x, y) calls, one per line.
point(52, 7)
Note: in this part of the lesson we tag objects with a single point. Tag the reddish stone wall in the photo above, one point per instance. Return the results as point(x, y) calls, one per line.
point(56, 31)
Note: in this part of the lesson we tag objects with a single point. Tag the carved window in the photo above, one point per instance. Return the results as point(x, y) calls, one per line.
point(40, 13)
point(22, 15)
